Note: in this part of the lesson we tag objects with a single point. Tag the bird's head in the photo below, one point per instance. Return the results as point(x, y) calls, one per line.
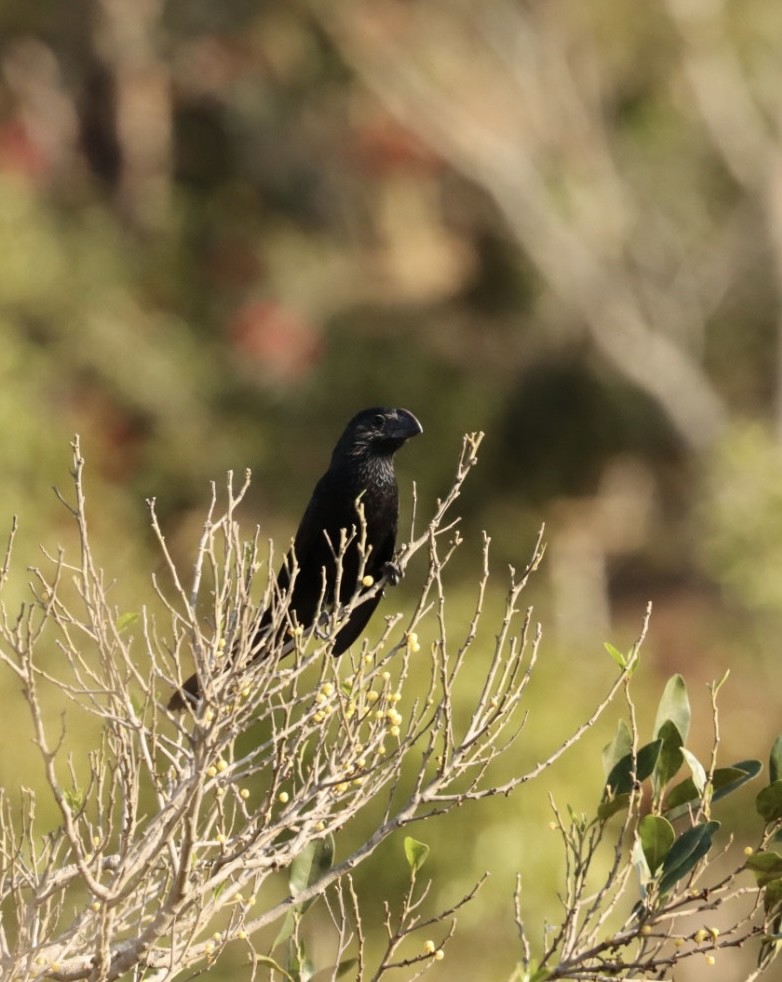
point(377, 432)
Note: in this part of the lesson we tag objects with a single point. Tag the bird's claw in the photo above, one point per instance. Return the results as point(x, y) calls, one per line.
point(392, 571)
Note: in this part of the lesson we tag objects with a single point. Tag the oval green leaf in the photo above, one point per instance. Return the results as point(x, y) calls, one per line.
point(767, 867)
point(769, 802)
point(685, 853)
point(674, 708)
point(632, 768)
point(416, 853)
point(619, 747)
point(657, 836)
point(775, 761)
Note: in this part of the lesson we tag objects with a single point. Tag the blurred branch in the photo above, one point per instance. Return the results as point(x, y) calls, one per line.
point(526, 123)
point(749, 141)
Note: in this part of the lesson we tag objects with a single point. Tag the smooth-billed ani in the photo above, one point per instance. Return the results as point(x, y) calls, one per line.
point(360, 481)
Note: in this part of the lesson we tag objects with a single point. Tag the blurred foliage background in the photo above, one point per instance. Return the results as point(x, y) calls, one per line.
point(226, 227)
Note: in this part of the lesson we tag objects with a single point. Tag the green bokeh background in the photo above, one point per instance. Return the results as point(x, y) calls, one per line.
point(226, 227)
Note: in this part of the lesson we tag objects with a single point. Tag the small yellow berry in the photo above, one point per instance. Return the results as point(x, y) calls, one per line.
point(679, 942)
point(244, 794)
point(211, 771)
point(217, 936)
point(394, 697)
point(220, 838)
point(320, 827)
point(379, 714)
point(367, 580)
point(245, 692)
point(646, 930)
point(241, 935)
point(714, 932)
point(358, 781)
point(394, 730)
point(711, 960)
point(221, 643)
point(327, 689)
point(342, 787)
point(439, 955)
point(367, 659)
point(95, 905)
point(372, 696)
point(209, 716)
point(209, 947)
point(283, 797)
point(319, 716)
point(430, 947)
point(700, 935)
point(385, 676)
point(748, 850)
point(222, 766)
point(96, 840)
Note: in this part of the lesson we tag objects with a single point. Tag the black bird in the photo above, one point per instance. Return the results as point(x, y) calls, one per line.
point(360, 481)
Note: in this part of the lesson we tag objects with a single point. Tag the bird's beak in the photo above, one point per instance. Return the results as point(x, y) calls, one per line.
point(403, 425)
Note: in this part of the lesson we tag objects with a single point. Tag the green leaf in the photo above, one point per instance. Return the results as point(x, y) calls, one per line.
point(299, 964)
point(685, 853)
point(767, 867)
point(616, 654)
point(312, 862)
point(532, 973)
point(265, 960)
point(126, 619)
point(74, 798)
point(619, 747)
point(416, 853)
point(697, 769)
point(656, 836)
point(288, 924)
point(769, 802)
point(611, 806)
point(632, 768)
point(641, 866)
point(345, 966)
point(671, 757)
point(674, 708)
point(775, 761)
point(724, 781)
point(772, 896)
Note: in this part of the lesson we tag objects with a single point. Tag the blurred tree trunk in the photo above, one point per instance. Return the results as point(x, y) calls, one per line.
point(126, 38)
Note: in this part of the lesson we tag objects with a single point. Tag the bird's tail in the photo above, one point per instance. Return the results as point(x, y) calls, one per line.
point(188, 695)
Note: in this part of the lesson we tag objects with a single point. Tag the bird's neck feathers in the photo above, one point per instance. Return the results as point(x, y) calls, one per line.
point(368, 471)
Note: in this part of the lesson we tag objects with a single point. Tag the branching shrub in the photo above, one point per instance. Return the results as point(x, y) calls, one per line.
point(183, 834)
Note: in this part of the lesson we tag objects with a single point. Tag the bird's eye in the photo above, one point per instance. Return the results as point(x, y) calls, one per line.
point(379, 420)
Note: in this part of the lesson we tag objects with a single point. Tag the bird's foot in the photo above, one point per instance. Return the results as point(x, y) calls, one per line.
point(392, 571)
